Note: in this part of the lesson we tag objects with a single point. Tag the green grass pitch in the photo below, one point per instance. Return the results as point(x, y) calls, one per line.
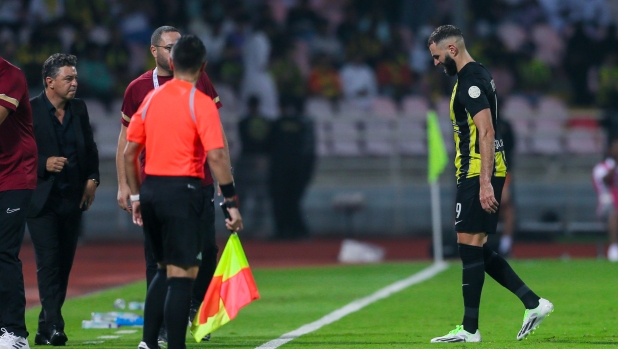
point(584, 292)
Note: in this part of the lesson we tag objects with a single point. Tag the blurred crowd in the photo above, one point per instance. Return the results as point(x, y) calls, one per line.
point(349, 50)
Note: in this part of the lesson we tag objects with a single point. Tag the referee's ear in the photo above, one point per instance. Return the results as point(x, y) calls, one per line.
point(171, 63)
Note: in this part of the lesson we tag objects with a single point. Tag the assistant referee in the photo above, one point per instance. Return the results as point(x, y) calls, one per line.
point(169, 203)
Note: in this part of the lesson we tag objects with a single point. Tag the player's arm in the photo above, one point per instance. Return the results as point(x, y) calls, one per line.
point(220, 165)
point(486, 137)
point(4, 113)
point(131, 168)
point(123, 187)
point(218, 157)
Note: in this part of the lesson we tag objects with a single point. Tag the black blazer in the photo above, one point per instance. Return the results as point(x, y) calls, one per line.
point(47, 143)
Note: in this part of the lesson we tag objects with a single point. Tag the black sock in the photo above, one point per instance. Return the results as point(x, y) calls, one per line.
point(500, 270)
point(153, 310)
point(473, 277)
point(177, 310)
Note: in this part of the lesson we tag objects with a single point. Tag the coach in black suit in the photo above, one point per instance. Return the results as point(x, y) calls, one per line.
point(68, 176)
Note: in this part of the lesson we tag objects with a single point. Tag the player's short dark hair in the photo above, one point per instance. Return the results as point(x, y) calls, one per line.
point(54, 63)
point(188, 53)
point(443, 32)
point(156, 35)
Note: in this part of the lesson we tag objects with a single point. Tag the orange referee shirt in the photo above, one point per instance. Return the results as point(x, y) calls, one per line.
point(178, 124)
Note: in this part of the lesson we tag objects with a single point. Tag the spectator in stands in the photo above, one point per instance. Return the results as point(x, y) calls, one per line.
point(252, 168)
point(325, 42)
point(257, 80)
point(607, 96)
point(605, 179)
point(349, 27)
point(324, 80)
point(394, 75)
point(288, 77)
point(97, 81)
point(292, 149)
point(366, 44)
point(359, 82)
point(302, 20)
point(579, 57)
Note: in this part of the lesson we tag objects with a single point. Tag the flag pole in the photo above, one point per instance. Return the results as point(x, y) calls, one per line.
point(436, 222)
point(437, 160)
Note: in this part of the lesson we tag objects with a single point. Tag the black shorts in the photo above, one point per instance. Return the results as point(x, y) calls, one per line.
point(469, 215)
point(171, 210)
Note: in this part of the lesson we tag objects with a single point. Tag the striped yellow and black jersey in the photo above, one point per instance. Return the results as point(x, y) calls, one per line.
point(474, 91)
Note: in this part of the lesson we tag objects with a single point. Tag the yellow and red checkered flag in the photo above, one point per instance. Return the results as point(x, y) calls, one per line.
point(232, 287)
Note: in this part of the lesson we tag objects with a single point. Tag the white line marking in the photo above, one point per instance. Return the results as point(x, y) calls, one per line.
point(125, 331)
point(108, 337)
point(357, 305)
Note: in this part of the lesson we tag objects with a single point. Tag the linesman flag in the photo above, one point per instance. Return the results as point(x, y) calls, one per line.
point(232, 287)
point(438, 157)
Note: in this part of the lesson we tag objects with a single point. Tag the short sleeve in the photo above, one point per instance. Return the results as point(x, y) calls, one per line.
point(473, 94)
point(208, 123)
point(12, 89)
point(129, 105)
point(205, 85)
point(136, 131)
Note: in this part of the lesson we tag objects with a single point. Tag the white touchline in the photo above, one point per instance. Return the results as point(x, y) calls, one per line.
point(357, 305)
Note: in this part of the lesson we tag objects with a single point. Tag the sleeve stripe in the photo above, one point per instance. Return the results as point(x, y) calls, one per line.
point(13, 101)
point(216, 99)
point(125, 117)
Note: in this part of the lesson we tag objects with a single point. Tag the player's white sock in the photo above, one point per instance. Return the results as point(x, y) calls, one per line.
point(505, 244)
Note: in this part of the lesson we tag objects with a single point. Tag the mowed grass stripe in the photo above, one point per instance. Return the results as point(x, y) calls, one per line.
point(290, 298)
point(583, 292)
point(357, 305)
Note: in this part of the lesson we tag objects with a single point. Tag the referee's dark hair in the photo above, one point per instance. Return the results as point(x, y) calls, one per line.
point(54, 63)
point(443, 32)
point(156, 35)
point(188, 54)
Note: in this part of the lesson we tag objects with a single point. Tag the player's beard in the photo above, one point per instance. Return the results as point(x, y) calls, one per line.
point(450, 67)
point(164, 64)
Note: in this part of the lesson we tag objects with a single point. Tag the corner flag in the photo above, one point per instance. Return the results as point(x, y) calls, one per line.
point(438, 157)
point(232, 287)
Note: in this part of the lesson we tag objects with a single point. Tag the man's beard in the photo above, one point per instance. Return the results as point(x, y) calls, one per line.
point(164, 64)
point(450, 67)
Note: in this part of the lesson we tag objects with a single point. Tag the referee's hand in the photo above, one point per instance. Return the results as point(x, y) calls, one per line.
point(137, 213)
point(488, 200)
point(234, 223)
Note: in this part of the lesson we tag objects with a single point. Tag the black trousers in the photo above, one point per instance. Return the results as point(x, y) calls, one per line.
point(289, 179)
point(209, 252)
point(54, 234)
point(14, 206)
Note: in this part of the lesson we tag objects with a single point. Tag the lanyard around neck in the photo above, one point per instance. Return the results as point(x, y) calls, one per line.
point(155, 78)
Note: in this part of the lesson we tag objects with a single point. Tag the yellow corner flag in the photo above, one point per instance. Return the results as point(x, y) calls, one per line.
point(232, 287)
point(438, 157)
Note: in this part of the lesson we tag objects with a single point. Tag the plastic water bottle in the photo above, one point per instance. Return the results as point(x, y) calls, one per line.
point(136, 305)
point(120, 303)
point(99, 324)
point(130, 321)
point(113, 316)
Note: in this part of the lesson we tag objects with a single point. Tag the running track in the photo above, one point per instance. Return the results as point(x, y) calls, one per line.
point(100, 265)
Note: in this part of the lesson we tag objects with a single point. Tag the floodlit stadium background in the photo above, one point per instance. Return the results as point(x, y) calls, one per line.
point(549, 59)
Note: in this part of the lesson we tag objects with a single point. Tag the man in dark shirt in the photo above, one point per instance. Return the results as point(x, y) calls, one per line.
point(68, 177)
point(481, 169)
point(18, 164)
point(291, 168)
point(252, 167)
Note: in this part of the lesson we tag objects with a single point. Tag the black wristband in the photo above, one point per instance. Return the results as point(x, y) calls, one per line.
point(228, 190)
point(231, 202)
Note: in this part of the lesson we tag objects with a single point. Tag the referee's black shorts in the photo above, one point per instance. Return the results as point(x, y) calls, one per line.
point(469, 215)
point(171, 211)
